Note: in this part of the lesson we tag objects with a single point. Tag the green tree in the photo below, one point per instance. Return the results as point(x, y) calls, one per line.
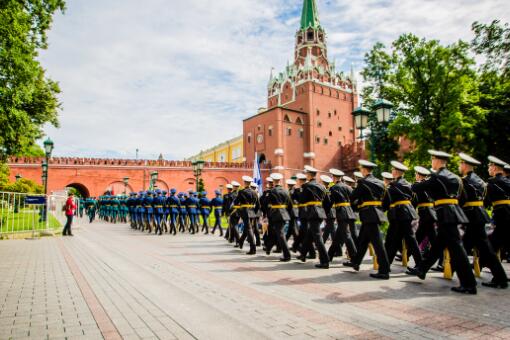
point(28, 99)
point(492, 42)
point(434, 89)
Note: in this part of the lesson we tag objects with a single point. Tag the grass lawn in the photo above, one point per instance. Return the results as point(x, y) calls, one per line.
point(25, 220)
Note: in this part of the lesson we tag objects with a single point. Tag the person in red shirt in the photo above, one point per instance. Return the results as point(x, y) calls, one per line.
point(70, 207)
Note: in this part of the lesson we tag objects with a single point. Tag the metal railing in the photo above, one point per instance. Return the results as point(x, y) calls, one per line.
point(26, 213)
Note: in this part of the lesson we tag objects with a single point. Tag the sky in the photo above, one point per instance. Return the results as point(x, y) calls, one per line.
point(175, 77)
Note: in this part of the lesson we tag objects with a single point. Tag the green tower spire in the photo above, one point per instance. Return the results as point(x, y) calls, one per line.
point(310, 15)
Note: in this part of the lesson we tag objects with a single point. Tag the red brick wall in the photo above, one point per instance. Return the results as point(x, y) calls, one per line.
point(95, 176)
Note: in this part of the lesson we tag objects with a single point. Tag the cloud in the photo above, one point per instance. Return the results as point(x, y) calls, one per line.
point(175, 77)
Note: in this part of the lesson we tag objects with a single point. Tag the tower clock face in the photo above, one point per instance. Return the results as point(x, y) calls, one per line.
point(260, 138)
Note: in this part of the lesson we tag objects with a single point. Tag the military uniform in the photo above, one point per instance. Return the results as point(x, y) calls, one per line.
point(498, 196)
point(340, 199)
point(205, 211)
point(246, 201)
point(475, 235)
point(183, 213)
point(367, 197)
point(233, 232)
point(397, 202)
point(329, 228)
point(158, 204)
point(314, 195)
point(173, 203)
point(444, 188)
point(192, 208)
point(228, 200)
point(217, 206)
point(149, 210)
point(279, 213)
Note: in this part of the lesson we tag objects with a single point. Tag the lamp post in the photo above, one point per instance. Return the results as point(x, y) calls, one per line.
point(18, 177)
point(126, 182)
point(154, 178)
point(48, 149)
point(197, 167)
point(381, 110)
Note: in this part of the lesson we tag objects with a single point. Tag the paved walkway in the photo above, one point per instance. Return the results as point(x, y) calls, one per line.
point(111, 282)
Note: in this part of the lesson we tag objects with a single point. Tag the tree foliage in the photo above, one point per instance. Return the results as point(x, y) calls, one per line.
point(435, 92)
point(28, 99)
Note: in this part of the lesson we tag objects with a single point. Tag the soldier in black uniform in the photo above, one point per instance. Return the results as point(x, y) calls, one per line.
point(279, 213)
point(246, 202)
point(292, 231)
point(352, 224)
point(234, 216)
point(506, 170)
point(258, 213)
point(227, 207)
point(298, 197)
point(444, 188)
point(475, 236)
point(268, 237)
point(368, 197)
point(340, 198)
point(398, 201)
point(329, 228)
point(314, 195)
point(498, 196)
point(426, 213)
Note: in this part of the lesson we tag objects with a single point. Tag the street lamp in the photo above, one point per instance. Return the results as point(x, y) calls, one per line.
point(361, 119)
point(382, 109)
point(154, 178)
point(197, 167)
point(126, 182)
point(18, 177)
point(48, 149)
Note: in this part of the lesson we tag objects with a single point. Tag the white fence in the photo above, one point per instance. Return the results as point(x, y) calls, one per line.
point(26, 213)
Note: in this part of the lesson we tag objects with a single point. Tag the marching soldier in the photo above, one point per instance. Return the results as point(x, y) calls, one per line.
point(426, 233)
point(115, 209)
point(298, 197)
point(475, 236)
point(183, 213)
point(246, 202)
point(352, 224)
point(444, 188)
point(368, 197)
point(158, 206)
point(192, 206)
point(329, 229)
point(234, 216)
point(340, 198)
point(292, 231)
point(205, 211)
point(149, 210)
point(173, 203)
point(279, 213)
point(258, 213)
point(166, 211)
point(498, 196)
point(217, 206)
point(313, 196)
point(91, 208)
point(228, 200)
point(401, 214)
point(269, 237)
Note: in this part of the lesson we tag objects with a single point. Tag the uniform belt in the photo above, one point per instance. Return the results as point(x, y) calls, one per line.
point(370, 204)
point(148, 206)
point(473, 204)
point(405, 202)
point(312, 203)
point(425, 205)
point(236, 207)
point(192, 206)
point(139, 206)
point(174, 206)
point(343, 204)
point(502, 202)
point(158, 206)
point(247, 206)
point(208, 208)
point(447, 201)
point(278, 206)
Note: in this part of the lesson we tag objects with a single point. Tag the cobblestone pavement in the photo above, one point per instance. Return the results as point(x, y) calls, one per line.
point(111, 282)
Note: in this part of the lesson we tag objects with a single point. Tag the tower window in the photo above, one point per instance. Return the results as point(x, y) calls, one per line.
point(335, 112)
point(329, 114)
point(286, 119)
point(319, 123)
point(301, 133)
point(339, 128)
point(289, 132)
point(318, 113)
point(299, 121)
point(317, 139)
point(330, 134)
point(325, 141)
point(270, 131)
point(249, 138)
point(309, 36)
